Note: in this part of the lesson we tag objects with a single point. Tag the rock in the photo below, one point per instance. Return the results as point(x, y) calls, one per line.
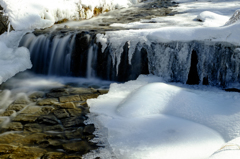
point(73, 121)
point(47, 110)
point(89, 129)
point(13, 126)
point(80, 91)
point(72, 157)
point(71, 98)
point(25, 118)
point(56, 94)
point(32, 110)
point(49, 120)
point(34, 138)
point(16, 107)
point(88, 96)
point(28, 153)
point(34, 96)
point(74, 134)
point(33, 127)
point(61, 113)
point(67, 105)
point(59, 90)
point(5, 148)
point(8, 112)
point(103, 91)
point(79, 103)
point(58, 128)
point(75, 112)
point(47, 101)
point(22, 99)
point(77, 146)
point(3, 120)
point(3, 22)
point(11, 138)
point(53, 155)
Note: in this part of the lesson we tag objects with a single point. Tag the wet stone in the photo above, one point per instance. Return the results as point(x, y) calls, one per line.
point(47, 101)
point(89, 129)
point(53, 155)
point(73, 122)
point(89, 96)
point(33, 127)
point(79, 103)
point(32, 110)
point(22, 100)
point(56, 128)
point(75, 112)
point(75, 134)
point(56, 94)
point(47, 110)
point(78, 146)
point(25, 118)
point(11, 138)
point(16, 107)
point(71, 98)
point(13, 126)
point(103, 91)
point(27, 152)
point(61, 113)
point(67, 105)
point(49, 120)
point(80, 90)
point(5, 148)
point(35, 95)
point(8, 112)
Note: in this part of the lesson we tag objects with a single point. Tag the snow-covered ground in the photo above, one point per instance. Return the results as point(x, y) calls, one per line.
point(148, 118)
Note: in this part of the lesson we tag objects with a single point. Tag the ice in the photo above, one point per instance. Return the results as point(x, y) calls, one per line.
point(12, 58)
point(235, 18)
point(147, 119)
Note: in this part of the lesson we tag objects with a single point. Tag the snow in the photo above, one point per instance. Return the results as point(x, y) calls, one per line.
point(28, 14)
point(12, 58)
point(212, 19)
point(148, 118)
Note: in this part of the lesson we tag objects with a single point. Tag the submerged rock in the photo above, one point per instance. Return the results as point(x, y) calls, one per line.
point(46, 126)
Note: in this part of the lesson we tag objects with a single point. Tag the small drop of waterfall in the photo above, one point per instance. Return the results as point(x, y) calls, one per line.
point(78, 54)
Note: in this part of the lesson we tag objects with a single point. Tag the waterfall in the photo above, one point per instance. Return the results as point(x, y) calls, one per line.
point(80, 54)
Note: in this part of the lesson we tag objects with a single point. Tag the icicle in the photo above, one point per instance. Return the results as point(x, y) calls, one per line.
point(89, 63)
point(9, 26)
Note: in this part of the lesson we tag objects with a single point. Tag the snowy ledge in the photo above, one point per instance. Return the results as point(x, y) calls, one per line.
point(27, 15)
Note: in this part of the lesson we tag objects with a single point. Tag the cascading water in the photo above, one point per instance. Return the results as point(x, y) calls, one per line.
point(79, 54)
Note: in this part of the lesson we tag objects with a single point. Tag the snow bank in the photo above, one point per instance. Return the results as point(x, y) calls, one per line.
point(147, 119)
point(212, 19)
point(28, 14)
point(12, 58)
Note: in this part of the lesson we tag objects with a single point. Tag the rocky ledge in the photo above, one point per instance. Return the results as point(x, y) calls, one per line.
point(47, 125)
